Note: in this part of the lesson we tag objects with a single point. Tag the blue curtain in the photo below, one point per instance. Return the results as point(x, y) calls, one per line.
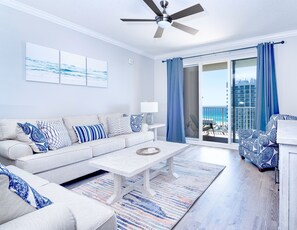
point(266, 96)
point(175, 103)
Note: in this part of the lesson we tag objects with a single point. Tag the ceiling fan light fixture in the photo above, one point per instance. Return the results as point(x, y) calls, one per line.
point(164, 24)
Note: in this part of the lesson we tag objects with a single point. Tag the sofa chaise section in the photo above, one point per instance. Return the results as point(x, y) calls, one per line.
point(68, 211)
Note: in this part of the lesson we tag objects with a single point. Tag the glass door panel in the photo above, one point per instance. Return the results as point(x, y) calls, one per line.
point(243, 95)
point(214, 91)
point(191, 101)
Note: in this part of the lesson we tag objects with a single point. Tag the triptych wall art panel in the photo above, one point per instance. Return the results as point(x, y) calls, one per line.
point(53, 66)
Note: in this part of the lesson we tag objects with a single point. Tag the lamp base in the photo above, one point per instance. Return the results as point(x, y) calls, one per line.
point(150, 119)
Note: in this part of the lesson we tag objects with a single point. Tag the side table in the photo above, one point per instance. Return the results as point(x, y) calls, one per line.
point(155, 127)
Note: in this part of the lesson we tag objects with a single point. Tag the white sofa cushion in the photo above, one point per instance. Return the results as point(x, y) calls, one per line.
point(103, 119)
point(53, 159)
point(76, 121)
point(137, 138)
point(106, 145)
point(89, 213)
point(12, 149)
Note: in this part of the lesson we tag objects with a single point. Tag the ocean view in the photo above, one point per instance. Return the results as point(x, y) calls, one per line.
point(219, 114)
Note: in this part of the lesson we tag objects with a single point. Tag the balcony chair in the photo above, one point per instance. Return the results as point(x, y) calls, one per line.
point(260, 147)
point(207, 124)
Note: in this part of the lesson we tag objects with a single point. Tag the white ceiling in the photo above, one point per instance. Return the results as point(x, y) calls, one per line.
point(222, 21)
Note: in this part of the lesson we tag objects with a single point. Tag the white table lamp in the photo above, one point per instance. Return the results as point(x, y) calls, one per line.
point(149, 108)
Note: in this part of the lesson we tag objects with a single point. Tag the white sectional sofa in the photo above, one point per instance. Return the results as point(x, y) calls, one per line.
point(67, 163)
point(68, 211)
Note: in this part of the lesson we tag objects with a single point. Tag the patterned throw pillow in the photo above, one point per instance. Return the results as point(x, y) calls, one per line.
point(55, 133)
point(89, 132)
point(24, 190)
point(119, 126)
point(34, 137)
point(136, 122)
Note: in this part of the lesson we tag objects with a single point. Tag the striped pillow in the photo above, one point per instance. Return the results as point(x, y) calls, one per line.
point(89, 132)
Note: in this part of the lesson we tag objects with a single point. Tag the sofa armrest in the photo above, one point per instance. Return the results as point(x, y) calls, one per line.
point(13, 149)
point(55, 216)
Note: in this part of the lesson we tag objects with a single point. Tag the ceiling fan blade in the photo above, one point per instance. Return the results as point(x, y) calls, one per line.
point(137, 20)
point(153, 7)
point(187, 12)
point(184, 28)
point(159, 32)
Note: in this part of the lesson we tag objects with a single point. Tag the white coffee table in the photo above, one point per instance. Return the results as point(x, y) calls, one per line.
point(126, 163)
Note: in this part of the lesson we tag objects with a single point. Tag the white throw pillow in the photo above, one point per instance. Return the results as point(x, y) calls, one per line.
point(119, 126)
point(55, 133)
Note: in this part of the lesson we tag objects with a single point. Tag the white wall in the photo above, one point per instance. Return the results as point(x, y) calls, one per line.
point(128, 84)
point(286, 64)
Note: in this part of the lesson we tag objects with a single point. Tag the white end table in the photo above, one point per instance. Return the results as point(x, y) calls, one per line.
point(154, 127)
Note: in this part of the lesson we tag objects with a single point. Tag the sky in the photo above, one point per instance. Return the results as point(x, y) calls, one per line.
point(213, 84)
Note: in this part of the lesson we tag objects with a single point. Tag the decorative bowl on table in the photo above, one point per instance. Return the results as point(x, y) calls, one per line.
point(148, 151)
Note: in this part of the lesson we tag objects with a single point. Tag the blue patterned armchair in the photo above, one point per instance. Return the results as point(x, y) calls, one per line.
point(260, 147)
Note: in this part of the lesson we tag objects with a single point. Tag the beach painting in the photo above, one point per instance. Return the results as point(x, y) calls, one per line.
point(73, 69)
point(97, 74)
point(42, 64)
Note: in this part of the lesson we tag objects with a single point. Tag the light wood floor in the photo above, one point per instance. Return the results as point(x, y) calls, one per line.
point(240, 198)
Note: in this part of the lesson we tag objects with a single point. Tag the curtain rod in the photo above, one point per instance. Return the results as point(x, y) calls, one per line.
point(225, 51)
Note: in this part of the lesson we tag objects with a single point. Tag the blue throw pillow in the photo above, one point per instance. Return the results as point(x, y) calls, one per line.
point(89, 132)
point(36, 136)
point(24, 190)
point(136, 122)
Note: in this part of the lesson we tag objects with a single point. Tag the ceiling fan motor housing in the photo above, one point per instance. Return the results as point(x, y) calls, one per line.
point(164, 4)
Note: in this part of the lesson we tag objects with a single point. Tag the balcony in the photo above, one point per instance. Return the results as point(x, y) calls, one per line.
point(215, 123)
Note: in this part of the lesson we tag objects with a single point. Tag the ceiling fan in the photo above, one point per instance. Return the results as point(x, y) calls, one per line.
point(164, 20)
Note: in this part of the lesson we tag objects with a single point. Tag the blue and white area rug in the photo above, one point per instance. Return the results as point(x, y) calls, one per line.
point(164, 210)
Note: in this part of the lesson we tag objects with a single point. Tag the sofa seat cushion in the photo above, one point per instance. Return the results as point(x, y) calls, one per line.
point(53, 159)
point(78, 121)
point(12, 149)
point(33, 180)
point(89, 214)
point(137, 138)
point(105, 145)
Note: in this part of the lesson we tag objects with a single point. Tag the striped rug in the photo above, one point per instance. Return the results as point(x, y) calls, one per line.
point(163, 211)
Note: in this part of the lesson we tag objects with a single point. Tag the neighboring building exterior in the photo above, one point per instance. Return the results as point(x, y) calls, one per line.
point(244, 103)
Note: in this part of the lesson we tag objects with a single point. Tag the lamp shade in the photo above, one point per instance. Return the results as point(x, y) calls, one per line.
point(149, 107)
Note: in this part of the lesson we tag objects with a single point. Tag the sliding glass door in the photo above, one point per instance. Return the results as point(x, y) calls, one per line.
point(243, 95)
point(214, 82)
point(219, 99)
